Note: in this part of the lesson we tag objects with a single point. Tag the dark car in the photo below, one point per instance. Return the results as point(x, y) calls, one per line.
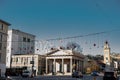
point(110, 76)
point(27, 73)
point(95, 73)
point(77, 74)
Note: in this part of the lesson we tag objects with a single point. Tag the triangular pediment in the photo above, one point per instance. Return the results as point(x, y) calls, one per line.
point(62, 52)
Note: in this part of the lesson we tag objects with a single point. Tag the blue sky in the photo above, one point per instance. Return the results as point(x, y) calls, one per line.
point(62, 18)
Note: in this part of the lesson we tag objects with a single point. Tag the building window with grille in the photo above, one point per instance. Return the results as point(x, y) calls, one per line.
point(1, 41)
point(28, 40)
point(106, 58)
point(24, 39)
point(1, 26)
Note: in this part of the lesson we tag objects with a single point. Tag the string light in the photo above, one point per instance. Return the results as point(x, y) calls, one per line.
point(46, 45)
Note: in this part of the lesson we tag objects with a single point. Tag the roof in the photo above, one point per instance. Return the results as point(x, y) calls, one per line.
point(16, 30)
point(5, 22)
point(25, 54)
point(58, 52)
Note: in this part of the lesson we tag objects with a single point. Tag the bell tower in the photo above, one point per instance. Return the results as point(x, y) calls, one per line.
point(107, 58)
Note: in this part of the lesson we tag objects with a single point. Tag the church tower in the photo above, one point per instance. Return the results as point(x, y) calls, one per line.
point(107, 58)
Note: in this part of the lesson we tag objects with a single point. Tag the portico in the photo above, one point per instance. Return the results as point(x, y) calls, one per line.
point(63, 62)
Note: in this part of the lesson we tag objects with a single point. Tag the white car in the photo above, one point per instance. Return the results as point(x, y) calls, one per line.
point(27, 73)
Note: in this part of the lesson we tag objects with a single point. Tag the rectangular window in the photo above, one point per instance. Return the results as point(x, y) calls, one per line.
point(1, 26)
point(28, 40)
point(24, 39)
point(1, 38)
point(1, 41)
point(106, 58)
point(68, 67)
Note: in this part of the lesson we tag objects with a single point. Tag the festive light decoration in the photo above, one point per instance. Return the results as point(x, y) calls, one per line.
point(94, 44)
point(88, 42)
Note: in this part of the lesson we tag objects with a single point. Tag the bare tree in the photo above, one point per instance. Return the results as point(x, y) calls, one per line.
point(74, 46)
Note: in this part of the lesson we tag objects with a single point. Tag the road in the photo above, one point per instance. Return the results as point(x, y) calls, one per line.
point(57, 78)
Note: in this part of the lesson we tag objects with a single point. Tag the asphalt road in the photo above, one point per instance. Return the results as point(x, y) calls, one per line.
point(57, 78)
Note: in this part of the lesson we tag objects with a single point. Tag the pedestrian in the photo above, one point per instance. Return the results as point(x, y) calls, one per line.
point(6, 74)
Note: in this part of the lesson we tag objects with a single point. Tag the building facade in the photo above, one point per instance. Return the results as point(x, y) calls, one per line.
point(91, 65)
point(3, 43)
point(30, 62)
point(63, 62)
point(19, 42)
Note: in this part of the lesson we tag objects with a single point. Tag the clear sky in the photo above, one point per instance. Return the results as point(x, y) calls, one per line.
point(63, 18)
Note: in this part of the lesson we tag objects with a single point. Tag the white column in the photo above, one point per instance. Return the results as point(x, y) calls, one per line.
point(71, 65)
point(46, 66)
point(54, 64)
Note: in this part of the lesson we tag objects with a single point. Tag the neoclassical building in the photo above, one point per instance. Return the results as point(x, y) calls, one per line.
point(63, 62)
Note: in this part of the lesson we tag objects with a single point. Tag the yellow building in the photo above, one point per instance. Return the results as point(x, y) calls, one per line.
point(107, 58)
point(3, 43)
point(91, 65)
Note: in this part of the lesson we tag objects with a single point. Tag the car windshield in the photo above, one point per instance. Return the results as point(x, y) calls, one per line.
point(95, 71)
point(25, 71)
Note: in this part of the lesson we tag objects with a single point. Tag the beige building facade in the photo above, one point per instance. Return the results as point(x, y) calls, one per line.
point(29, 61)
point(63, 62)
point(3, 44)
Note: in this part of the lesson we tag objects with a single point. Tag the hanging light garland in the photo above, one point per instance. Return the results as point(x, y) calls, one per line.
point(49, 43)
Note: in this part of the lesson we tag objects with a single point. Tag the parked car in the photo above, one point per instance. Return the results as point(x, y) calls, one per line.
point(110, 76)
point(95, 73)
point(27, 73)
point(77, 74)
